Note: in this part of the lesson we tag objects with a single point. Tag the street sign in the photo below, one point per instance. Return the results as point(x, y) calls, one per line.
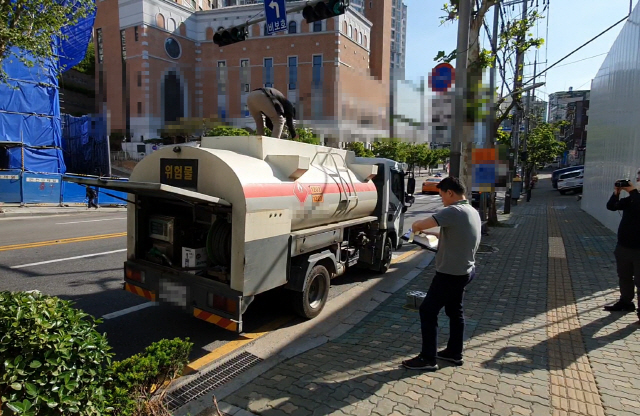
point(276, 14)
point(442, 77)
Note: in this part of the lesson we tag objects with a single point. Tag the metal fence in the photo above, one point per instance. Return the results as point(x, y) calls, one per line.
point(123, 155)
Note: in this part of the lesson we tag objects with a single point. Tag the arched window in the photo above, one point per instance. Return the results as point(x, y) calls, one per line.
point(160, 20)
point(360, 38)
point(365, 41)
point(293, 27)
point(355, 34)
point(171, 25)
point(350, 33)
point(344, 27)
point(183, 29)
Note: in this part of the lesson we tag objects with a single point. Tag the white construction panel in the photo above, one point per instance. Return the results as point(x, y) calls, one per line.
point(613, 142)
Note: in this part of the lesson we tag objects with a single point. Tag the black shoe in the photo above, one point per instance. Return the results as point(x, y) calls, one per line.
point(620, 307)
point(447, 356)
point(419, 363)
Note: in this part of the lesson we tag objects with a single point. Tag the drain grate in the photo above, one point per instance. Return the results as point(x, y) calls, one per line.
point(210, 380)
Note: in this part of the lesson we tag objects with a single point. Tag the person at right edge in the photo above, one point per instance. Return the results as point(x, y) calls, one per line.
point(276, 110)
point(627, 250)
point(459, 238)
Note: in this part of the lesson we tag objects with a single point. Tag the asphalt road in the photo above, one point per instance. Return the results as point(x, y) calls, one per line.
point(80, 257)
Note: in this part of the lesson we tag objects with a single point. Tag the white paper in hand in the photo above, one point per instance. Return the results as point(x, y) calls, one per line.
point(429, 242)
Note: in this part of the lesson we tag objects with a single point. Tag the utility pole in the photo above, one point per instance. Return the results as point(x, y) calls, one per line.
point(491, 118)
point(515, 129)
point(464, 20)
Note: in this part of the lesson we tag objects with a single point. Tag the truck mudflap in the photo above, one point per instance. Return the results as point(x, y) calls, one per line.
point(204, 298)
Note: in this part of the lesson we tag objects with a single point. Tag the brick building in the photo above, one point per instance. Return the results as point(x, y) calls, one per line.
point(157, 63)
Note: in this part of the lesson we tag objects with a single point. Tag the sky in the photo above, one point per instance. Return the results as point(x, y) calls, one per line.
point(570, 24)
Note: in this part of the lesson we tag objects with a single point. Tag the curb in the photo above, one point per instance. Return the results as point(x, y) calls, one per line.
point(349, 314)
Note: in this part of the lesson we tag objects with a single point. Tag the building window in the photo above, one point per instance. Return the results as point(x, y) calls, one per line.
point(172, 48)
point(344, 28)
point(171, 25)
point(317, 26)
point(265, 32)
point(160, 20)
point(99, 42)
point(135, 33)
point(244, 75)
point(293, 72)
point(268, 72)
point(222, 77)
point(365, 42)
point(350, 33)
point(123, 44)
point(139, 108)
point(139, 79)
point(244, 63)
point(317, 71)
point(360, 38)
point(293, 27)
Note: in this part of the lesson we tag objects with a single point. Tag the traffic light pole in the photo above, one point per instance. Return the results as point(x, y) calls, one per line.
point(295, 9)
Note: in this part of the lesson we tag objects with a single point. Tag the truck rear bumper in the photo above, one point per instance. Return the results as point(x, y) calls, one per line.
point(206, 299)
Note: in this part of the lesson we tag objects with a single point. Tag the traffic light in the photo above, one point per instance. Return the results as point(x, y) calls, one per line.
point(229, 36)
point(324, 10)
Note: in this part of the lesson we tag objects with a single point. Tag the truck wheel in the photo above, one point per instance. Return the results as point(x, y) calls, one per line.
point(387, 254)
point(310, 302)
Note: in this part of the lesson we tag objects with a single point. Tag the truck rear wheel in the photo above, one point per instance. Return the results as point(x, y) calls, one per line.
point(387, 255)
point(310, 302)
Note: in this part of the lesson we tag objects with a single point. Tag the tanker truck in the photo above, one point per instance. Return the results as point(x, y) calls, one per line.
point(209, 227)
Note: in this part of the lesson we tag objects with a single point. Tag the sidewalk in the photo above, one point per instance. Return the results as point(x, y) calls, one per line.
point(538, 342)
point(15, 210)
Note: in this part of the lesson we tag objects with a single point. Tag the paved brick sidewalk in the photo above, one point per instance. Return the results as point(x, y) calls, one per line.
point(538, 342)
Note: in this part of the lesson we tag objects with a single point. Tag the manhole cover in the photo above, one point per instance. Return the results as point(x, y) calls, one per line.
point(210, 380)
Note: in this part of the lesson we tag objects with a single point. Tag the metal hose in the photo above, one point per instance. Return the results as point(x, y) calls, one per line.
point(219, 243)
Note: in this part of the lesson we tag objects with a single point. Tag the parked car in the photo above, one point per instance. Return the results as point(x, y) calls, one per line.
point(429, 185)
point(558, 172)
point(438, 175)
point(571, 181)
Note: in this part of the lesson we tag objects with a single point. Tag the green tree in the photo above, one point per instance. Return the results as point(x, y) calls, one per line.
point(304, 135)
point(392, 149)
point(30, 25)
point(88, 64)
point(359, 149)
point(542, 146)
point(515, 37)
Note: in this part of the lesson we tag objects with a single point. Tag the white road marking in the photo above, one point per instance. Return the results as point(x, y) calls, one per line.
point(68, 258)
point(129, 310)
point(78, 222)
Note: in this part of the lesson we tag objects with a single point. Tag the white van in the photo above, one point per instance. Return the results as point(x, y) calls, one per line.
point(571, 181)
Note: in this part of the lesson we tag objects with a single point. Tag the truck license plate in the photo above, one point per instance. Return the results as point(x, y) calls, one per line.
point(173, 293)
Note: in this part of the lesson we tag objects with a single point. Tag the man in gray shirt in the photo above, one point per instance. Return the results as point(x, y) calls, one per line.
point(459, 238)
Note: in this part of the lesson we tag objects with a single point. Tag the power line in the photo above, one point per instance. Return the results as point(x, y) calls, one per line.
point(580, 60)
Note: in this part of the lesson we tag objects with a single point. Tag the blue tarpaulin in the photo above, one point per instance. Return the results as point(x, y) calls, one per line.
point(30, 125)
point(85, 145)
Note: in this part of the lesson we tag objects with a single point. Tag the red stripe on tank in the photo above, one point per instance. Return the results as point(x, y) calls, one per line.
point(265, 190)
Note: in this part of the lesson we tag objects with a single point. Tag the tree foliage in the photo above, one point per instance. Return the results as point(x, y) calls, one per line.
point(88, 64)
point(359, 149)
point(31, 25)
point(542, 146)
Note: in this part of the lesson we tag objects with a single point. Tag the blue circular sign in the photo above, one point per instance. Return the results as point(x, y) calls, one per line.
point(442, 77)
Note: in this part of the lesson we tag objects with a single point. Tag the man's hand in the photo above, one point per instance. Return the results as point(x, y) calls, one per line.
point(629, 188)
point(617, 190)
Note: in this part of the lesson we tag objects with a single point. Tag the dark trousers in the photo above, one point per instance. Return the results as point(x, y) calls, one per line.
point(446, 291)
point(92, 202)
point(628, 264)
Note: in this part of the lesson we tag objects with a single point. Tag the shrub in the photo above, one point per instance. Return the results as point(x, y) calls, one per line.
point(54, 362)
point(137, 378)
point(226, 131)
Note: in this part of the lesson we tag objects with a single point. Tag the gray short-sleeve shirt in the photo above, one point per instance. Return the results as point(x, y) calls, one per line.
point(460, 233)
